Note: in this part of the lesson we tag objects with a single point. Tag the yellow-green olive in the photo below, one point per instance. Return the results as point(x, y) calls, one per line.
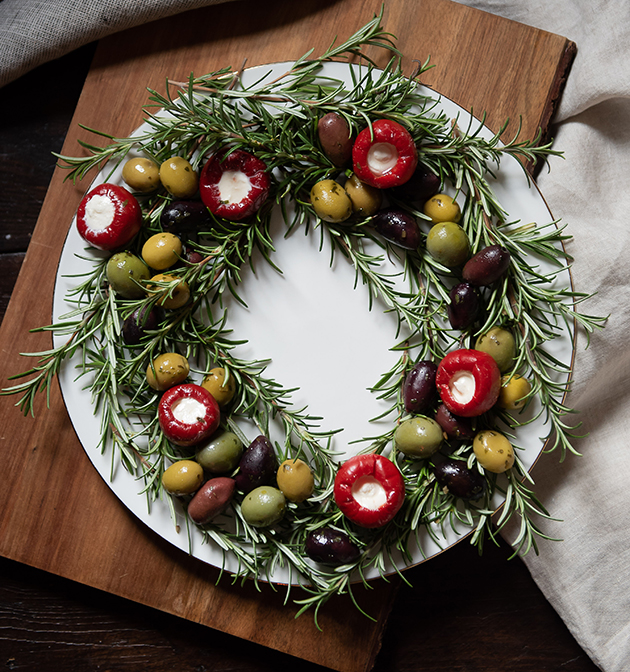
point(124, 271)
point(221, 389)
point(295, 480)
point(500, 345)
point(514, 391)
point(162, 250)
point(442, 208)
point(493, 451)
point(167, 370)
point(179, 177)
point(366, 200)
point(448, 243)
point(221, 453)
point(330, 201)
point(418, 437)
point(175, 295)
point(141, 174)
point(263, 506)
point(183, 478)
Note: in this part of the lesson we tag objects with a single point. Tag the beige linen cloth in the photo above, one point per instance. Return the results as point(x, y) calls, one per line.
point(586, 577)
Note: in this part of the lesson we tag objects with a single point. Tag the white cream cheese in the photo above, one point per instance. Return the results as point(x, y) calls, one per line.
point(462, 387)
point(382, 157)
point(369, 493)
point(99, 212)
point(188, 410)
point(233, 186)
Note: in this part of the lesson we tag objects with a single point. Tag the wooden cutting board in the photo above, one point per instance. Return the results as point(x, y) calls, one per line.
point(57, 513)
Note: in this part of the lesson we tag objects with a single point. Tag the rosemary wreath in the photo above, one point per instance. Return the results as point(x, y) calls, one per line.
point(277, 122)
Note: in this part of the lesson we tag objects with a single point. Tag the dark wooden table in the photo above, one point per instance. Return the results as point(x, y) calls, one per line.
point(464, 612)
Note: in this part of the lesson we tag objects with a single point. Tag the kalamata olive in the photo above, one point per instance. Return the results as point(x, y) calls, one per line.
point(423, 184)
point(221, 386)
point(179, 178)
point(459, 480)
point(175, 295)
point(141, 174)
point(295, 479)
point(212, 499)
point(162, 250)
point(442, 208)
point(514, 392)
point(124, 271)
point(335, 138)
point(182, 217)
point(263, 506)
point(183, 478)
point(221, 453)
point(139, 323)
point(418, 437)
point(454, 426)
point(464, 307)
point(257, 466)
point(366, 200)
point(399, 227)
point(500, 345)
point(493, 451)
point(448, 243)
point(487, 266)
point(419, 390)
point(167, 370)
point(192, 256)
point(330, 201)
point(331, 547)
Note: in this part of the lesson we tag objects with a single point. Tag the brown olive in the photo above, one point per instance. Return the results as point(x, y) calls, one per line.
point(335, 138)
point(487, 266)
point(211, 499)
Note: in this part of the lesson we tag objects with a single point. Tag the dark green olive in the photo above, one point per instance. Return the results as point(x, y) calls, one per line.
point(331, 547)
point(459, 480)
point(419, 389)
point(221, 453)
point(465, 305)
point(257, 466)
point(124, 273)
point(487, 266)
point(448, 243)
point(399, 227)
point(263, 506)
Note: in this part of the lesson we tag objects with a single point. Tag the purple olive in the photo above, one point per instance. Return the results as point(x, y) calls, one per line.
point(419, 389)
point(399, 227)
point(487, 266)
point(138, 323)
point(459, 480)
point(258, 465)
point(454, 426)
point(423, 184)
point(335, 138)
point(331, 547)
point(465, 305)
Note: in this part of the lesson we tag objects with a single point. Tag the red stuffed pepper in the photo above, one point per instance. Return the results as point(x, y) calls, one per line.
point(188, 414)
point(469, 382)
point(369, 490)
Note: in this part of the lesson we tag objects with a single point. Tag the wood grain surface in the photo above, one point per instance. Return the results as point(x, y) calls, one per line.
point(57, 513)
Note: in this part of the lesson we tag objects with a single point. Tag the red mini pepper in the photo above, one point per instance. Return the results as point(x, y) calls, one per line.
point(384, 155)
point(188, 414)
point(369, 490)
point(469, 382)
point(234, 186)
point(108, 217)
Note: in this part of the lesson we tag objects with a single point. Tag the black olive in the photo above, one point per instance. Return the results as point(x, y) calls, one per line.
point(454, 426)
point(464, 307)
point(399, 227)
point(487, 266)
point(331, 547)
point(182, 217)
point(419, 389)
point(460, 480)
point(257, 466)
point(138, 323)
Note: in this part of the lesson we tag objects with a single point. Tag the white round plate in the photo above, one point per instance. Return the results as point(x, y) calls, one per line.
point(314, 325)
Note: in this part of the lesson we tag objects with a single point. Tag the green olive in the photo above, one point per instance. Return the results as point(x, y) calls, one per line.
point(448, 243)
point(418, 437)
point(330, 201)
point(178, 177)
point(514, 392)
point(162, 251)
point(295, 479)
point(442, 208)
point(263, 506)
point(141, 175)
point(183, 478)
point(493, 451)
point(175, 297)
point(366, 200)
point(167, 370)
point(221, 389)
point(500, 345)
point(124, 270)
point(221, 454)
